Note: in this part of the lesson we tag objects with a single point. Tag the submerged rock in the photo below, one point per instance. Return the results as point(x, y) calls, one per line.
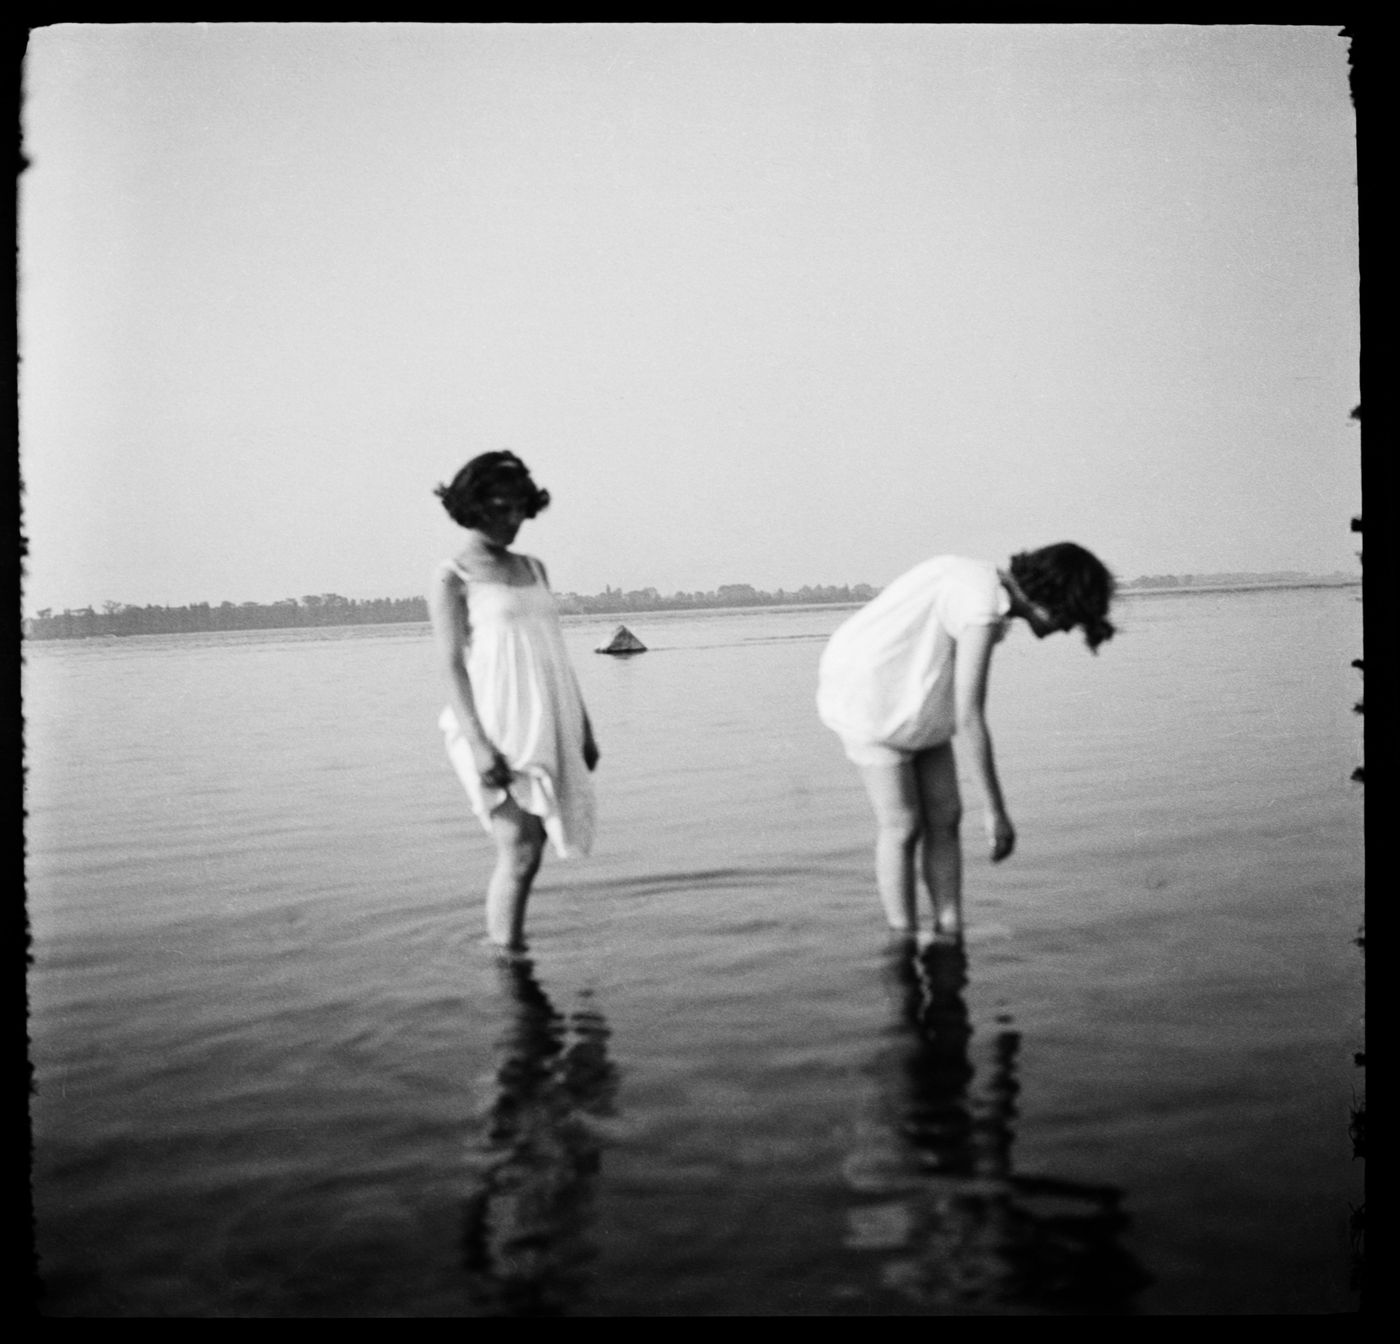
point(622, 641)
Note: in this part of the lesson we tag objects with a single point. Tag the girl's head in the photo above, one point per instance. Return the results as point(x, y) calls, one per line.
point(489, 486)
point(1073, 584)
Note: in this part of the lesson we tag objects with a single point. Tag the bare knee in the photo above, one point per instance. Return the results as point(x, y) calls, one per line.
point(940, 802)
point(944, 818)
point(898, 833)
point(527, 856)
point(521, 854)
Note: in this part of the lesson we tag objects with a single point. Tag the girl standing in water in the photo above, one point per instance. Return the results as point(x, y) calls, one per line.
point(909, 671)
point(515, 726)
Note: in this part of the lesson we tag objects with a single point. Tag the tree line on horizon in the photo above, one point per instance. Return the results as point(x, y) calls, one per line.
point(319, 609)
point(121, 618)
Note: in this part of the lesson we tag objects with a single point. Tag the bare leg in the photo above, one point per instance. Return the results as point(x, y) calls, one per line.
point(894, 795)
point(519, 848)
point(940, 806)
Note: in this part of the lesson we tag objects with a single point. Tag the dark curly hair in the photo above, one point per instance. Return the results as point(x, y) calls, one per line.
point(1072, 583)
point(484, 477)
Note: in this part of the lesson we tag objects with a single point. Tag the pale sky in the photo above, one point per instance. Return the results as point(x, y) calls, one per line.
point(768, 304)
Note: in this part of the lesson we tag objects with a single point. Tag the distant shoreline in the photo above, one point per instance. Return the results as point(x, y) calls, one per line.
point(1241, 587)
point(640, 615)
point(832, 606)
point(829, 606)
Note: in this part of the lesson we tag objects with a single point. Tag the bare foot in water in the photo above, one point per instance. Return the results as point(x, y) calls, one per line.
point(505, 951)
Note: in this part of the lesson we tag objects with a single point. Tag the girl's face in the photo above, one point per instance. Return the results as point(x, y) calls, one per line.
point(1043, 621)
point(501, 516)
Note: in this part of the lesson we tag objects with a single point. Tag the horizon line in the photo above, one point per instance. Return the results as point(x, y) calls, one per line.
point(1181, 579)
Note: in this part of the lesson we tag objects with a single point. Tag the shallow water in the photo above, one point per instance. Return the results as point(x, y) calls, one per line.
point(278, 1076)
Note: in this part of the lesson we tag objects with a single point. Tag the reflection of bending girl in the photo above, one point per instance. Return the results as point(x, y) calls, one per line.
point(955, 1227)
point(526, 1225)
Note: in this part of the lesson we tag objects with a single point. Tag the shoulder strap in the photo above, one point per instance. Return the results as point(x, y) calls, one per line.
point(537, 570)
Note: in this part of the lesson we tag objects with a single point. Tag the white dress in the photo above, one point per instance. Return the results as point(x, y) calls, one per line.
point(886, 675)
point(528, 700)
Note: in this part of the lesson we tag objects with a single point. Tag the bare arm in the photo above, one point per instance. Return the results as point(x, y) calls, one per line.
point(452, 637)
point(971, 670)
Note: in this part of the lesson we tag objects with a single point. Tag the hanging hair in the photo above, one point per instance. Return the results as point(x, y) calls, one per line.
point(1073, 584)
point(484, 477)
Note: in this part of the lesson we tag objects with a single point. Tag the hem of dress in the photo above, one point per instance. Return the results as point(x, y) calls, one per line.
point(525, 790)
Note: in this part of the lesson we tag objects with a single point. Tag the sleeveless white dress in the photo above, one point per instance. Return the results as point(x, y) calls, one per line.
point(528, 700)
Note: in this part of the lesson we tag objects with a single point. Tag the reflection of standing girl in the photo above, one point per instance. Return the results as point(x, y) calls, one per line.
point(527, 1224)
point(516, 729)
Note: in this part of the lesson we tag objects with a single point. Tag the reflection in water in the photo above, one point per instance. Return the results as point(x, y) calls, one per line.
point(1357, 1221)
point(526, 1224)
point(956, 1229)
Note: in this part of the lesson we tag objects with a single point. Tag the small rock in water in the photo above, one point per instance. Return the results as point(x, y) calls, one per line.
point(622, 641)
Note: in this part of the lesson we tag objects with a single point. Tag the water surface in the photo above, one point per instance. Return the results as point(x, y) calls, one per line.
point(278, 1076)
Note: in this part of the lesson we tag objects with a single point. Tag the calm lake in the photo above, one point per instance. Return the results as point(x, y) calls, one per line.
point(278, 1075)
